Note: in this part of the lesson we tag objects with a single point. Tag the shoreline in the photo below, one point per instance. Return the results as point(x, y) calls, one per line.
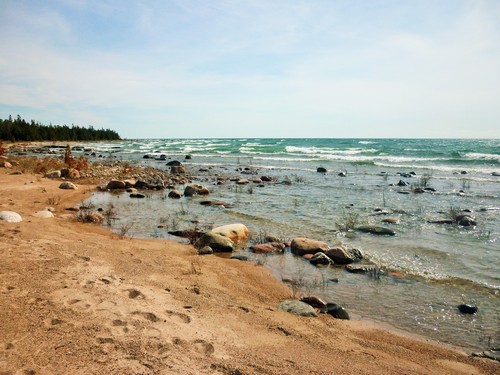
point(236, 324)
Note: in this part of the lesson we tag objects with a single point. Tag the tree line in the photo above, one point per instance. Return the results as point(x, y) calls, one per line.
point(18, 129)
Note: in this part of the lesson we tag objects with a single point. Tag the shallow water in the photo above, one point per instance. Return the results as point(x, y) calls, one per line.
point(444, 265)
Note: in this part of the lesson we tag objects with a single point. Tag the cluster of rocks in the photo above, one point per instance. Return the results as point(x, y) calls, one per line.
point(311, 305)
point(320, 253)
point(464, 218)
point(5, 162)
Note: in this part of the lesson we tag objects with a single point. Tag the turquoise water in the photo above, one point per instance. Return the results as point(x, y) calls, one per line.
point(444, 265)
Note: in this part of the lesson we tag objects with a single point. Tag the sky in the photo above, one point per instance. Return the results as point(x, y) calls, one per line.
point(256, 68)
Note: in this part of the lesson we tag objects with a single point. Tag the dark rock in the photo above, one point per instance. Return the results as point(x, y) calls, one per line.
point(137, 195)
point(342, 174)
point(373, 229)
point(302, 245)
point(418, 190)
point(496, 174)
point(146, 156)
point(464, 172)
point(403, 183)
point(467, 308)
point(266, 178)
point(361, 268)
point(441, 221)
point(321, 170)
point(430, 189)
point(314, 302)
point(298, 308)
point(466, 220)
point(175, 163)
point(116, 184)
point(188, 157)
point(336, 311)
point(193, 189)
point(174, 194)
point(321, 259)
point(340, 255)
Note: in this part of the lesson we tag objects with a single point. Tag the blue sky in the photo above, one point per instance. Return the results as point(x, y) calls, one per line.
point(228, 68)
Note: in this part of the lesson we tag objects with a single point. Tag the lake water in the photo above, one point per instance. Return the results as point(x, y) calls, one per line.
point(428, 269)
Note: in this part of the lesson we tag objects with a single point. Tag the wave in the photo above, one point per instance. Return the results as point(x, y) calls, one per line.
point(481, 156)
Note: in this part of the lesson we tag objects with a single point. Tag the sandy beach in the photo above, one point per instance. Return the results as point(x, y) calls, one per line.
point(77, 299)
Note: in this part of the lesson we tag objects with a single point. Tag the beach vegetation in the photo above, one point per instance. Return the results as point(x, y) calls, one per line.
point(2, 149)
point(250, 189)
point(54, 200)
point(348, 220)
point(109, 214)
point(124, 228)
point(18, 129)
point(424, 180)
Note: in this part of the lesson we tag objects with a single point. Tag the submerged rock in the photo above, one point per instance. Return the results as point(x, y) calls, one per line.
point(361, 268)
point(303, 245)
point(466, 220)
point(321, 170)
point(321, 259)
point(270, 247)
point(174, 194)
point(467, 308)
point(193, 189)
point(298, 308)
point(340, 255)
point(374, 229)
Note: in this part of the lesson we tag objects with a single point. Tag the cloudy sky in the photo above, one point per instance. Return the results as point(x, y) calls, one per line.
point(256, 68)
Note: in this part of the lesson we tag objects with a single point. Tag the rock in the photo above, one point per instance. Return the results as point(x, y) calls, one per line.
point(68, 186)
point(321, 170)
point(53, 174)
point(129, 183)
point(216, 242)
point(493, 354)
point(5, 164)
point(116, 184)
point(240, 256)
point(342, 174)
point(314, 302)
point(266, 178)
point(464, 172)
point(270, 247)
point(224, 238)
point(440, 221)
point(373, 229)
point(496, 174)
point(238, 233)
point(298, 308)
point(177, 169)
point(188, 157)
point(43, 214)
point(403, 183)
point(174, 194)
point(465, 220)
point(467, 308)
point(391, 220)
point(321, 259)
point(361, 268)
point(302, 245)
point(174, 163)
point(206, 250)
point(216, 203)
point(131, 190)
point(307, 256)
point(418, 190)
point(70, 173)
point(146, 156)
point(242, 181)
point(193, 189)
point(137, 195)
point(10, 216)
point(340, 255)
point(336, 311)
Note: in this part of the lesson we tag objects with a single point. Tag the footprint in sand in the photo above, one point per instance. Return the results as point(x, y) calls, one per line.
point(180, 316)
point(203, 347)
point(135, 294)
point(147, 315)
